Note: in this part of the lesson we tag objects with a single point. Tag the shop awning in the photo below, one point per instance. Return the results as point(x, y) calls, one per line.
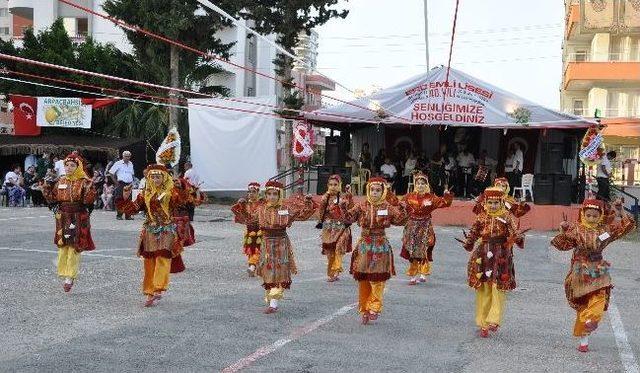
point(432, 99)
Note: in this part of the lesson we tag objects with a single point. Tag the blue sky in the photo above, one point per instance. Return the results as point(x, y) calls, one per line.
point(512, 44)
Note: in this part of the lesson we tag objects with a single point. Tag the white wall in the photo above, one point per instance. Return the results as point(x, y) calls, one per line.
point(104, 31)
point(44, 14)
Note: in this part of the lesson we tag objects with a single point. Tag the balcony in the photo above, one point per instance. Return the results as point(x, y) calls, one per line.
point(584, 74)
point(21, 4)
point(572, 20)
point(631, 113)
point(320, 83)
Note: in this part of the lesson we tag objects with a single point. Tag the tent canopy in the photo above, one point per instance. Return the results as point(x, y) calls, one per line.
point(432, 99)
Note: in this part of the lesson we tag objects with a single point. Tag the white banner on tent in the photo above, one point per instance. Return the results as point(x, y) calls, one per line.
point(63, 112)
point(229, 149)
point(460, 100)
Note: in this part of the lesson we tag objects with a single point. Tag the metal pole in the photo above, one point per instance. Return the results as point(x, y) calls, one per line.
point(426, 33)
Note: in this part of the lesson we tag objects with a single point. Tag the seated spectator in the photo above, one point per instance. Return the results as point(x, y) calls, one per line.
point(388, 171)
point(13, 183)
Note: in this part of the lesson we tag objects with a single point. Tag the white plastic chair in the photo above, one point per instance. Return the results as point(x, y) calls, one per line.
point(527, 186)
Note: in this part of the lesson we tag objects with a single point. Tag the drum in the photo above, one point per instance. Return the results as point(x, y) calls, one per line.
point(482, 173)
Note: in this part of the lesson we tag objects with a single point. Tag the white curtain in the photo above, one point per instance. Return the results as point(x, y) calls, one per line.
point(229, 149)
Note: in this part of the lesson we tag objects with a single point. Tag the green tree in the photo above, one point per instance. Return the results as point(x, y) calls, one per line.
point(166, 64)
point(53, 45)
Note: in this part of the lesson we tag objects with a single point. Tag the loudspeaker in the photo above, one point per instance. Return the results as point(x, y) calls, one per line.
point(551, 162)
point(335, 151)
point(543, 189)
point(562, 189)
point(569, 147)
point(323, 177)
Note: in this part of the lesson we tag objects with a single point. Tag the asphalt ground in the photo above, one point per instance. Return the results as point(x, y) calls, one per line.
point(211, 318)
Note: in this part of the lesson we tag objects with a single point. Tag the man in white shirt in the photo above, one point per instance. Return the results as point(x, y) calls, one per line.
point(122, 175)
point(466, 161)
point(389, 171)
point(58, 166)
point(603, 176)
point(191, 175)
point(194, 179)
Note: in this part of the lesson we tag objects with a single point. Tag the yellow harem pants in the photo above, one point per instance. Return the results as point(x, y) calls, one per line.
point(276, 293)
point(156, 275)
point(334, 263)
point(489, 305)
point(68, 262)
point(593, 310)
point(370, 296)
point(253, 259)
point(417, 268)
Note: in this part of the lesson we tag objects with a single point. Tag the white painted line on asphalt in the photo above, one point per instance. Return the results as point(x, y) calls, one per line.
point(26, 217)
point(624, 348)
point(56, 252)
point(300, 332)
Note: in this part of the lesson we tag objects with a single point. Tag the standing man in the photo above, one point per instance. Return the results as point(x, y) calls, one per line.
point(603, 175)
point(122, 175)
point(192, 178)
point(465, 161)
point(58, 166)
point(518, 165)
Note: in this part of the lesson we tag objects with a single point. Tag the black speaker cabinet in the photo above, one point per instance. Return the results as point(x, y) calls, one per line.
point(562, 189)
point(543, 189)
point(323, 177)
point(551, 162)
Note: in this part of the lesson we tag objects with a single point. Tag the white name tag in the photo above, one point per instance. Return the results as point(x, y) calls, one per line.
point(383, 212)
point(62, 186)
point(160, 197)
point(507, 205)
point(283, 212)
point(501, 220)
point(426, 203)
point(604, 236)
point(335, 201)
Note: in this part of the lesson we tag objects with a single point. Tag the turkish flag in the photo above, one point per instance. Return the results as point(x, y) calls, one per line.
point(97, 103)
point(24, 116)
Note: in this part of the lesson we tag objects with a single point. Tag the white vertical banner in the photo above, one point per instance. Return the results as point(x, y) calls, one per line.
point(229, 148)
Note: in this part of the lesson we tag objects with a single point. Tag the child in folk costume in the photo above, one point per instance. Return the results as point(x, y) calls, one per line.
point(490, 269)
point(518, 209)
point(159, 242)
point(246, 214)
point(185, 231)
point(277, 262)
point(372, 258)
point(72, 198)
point(419, 238)
point(336, 234)
point(588, 283)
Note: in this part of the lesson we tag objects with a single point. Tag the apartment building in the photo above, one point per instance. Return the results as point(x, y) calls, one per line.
point(601, 73)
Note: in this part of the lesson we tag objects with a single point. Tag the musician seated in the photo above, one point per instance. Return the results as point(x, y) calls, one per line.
point(389, 171)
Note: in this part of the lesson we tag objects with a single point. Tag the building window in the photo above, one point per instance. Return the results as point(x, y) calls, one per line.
point(578, 107)
point(580, 56)
point(83, 26)
point(4, 12)
point(251, 92)
point(4, 31)
point(76, 26)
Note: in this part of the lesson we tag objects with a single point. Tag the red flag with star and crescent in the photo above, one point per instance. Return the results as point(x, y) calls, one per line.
point(24, 116)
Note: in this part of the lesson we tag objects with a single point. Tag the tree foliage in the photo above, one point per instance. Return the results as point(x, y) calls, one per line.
point(54, 46)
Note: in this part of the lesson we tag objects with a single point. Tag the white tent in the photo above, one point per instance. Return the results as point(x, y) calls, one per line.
point(460, 100)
